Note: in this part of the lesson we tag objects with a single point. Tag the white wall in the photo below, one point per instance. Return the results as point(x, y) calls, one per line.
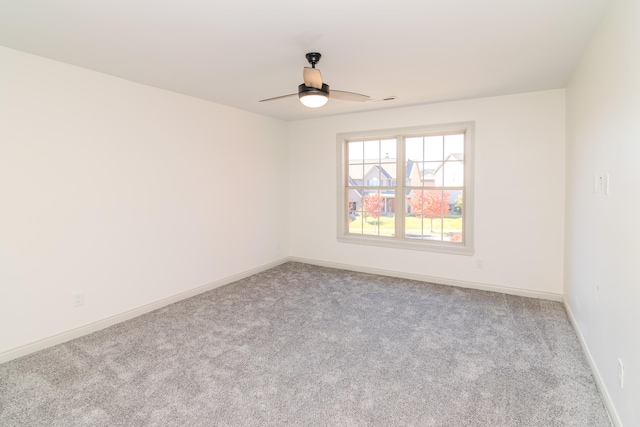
point(520, 156)
point(133, 194)
point(128, 193)
point(603, 232)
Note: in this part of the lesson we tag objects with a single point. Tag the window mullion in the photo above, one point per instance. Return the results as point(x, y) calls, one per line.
point(399, 189)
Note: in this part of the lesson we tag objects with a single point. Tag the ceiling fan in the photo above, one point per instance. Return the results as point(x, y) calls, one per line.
point(313, 92)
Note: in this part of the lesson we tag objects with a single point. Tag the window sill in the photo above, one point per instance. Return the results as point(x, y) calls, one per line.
point(454, 249)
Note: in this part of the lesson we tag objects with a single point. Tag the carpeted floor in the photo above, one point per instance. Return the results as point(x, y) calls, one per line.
point(301, 345)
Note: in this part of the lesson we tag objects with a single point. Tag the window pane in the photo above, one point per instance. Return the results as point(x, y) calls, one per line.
point(372, 175)
point(453, 174)
point(432, 228)
point(424, 221)
point(431, 170)
point(355, 221)
point(387, 174)
point(428, 202)
point(453, 221)
point(412, 173)
point(372, 209)
point(355, 150)
point(354, 204)
point(388, 149)
point(410, 230)
point(378, 215)
point(454, 144)
point(433, 148)
point(356, 175)
point(412, 222)
point(387, 216)
point(414, 149)
point(420, 228)
point(372, 151)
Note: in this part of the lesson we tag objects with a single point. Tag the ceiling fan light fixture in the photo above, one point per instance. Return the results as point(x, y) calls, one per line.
point(313, 97)
point(313, 101)
point(313, 93)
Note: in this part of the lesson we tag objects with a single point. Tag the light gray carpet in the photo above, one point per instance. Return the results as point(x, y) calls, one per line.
point(301, 345)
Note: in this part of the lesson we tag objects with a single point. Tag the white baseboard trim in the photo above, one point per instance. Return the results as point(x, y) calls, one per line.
point(104, 323)
point(611, 410)
point(431, 279)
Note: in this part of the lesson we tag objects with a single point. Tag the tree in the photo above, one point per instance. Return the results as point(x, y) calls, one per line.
point(459, 203)
point(429, 203)
point(372, 204)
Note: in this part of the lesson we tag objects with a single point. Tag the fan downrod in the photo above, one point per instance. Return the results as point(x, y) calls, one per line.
point(313, 58)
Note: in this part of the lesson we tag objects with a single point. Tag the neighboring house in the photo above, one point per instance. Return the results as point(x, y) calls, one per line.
point(428, 178)
point(384, 175)
point(413, 175)
point(355, 197)
point(454, 176)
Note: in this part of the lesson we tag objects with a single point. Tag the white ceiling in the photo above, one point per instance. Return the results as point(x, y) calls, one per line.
point(238, 52)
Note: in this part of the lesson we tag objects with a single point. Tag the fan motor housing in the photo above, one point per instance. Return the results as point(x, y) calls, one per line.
point(304, 90)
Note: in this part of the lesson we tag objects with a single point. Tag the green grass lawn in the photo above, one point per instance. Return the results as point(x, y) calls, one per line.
point(413, 225)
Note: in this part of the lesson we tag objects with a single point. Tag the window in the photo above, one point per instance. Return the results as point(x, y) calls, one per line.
point(407, 188)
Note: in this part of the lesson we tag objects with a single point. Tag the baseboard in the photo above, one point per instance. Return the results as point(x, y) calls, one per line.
point(104, 323)
point(611, 410)
point(110, 321)
point(432, 279)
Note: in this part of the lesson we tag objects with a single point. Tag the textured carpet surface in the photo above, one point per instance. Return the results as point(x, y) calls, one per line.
point(302, 345)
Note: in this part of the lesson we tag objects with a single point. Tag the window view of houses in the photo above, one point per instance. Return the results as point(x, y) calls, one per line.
point(428, 178)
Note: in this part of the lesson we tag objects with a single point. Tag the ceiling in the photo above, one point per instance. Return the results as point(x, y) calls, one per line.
point(238, 52)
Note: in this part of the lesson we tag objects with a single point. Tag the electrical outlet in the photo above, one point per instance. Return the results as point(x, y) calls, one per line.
point(78, 299)
point(620, 373)
point(601, 184)
point(479, 263)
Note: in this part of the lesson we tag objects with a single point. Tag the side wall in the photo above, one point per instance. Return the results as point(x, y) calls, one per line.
point(127, 193)
point(603, 231)
point(519, 193)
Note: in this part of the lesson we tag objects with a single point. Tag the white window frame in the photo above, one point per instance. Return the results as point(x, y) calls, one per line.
point(399, 241)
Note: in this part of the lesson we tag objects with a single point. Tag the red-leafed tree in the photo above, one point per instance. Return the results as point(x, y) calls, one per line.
point(372, 204)
point(429, 204)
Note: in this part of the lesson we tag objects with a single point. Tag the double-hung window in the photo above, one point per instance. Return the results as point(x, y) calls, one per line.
point(407, 188)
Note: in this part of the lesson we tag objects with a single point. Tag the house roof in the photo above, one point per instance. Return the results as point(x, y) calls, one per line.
point(451, 156)
point(388, 170)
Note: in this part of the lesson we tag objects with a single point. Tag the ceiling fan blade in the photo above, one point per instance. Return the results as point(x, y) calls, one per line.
point(278, 97)
point(348, 96)
point(312, 77)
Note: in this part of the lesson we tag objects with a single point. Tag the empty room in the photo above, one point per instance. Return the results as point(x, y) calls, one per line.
point(412, 213)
